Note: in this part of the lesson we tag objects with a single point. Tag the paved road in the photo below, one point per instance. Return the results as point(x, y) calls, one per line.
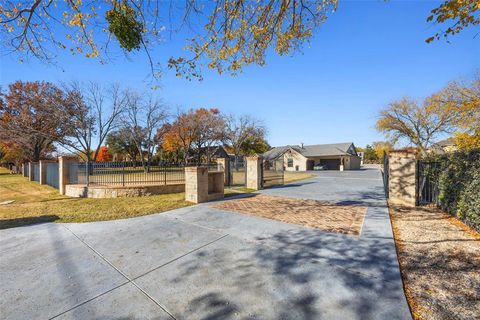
point(203, 263)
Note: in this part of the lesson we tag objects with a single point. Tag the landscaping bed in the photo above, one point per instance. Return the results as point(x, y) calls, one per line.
point(440, 263)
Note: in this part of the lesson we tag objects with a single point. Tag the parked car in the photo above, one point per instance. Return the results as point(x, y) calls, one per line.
point(319, 167)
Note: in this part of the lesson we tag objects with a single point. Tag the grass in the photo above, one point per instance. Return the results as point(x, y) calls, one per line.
point(289, 176)
point(38, 203)
point(234, 191)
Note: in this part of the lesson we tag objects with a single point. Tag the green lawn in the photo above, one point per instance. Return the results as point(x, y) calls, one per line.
point(37, 203)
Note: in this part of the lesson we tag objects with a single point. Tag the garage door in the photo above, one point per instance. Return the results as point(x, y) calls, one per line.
point(332, 164)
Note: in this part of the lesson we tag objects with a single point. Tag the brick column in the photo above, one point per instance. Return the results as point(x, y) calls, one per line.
point(196, 184)
point(30, 171)
point(42, 165)
point(402, 179)
point(254, 174)
point(224, 165)
point(63, 171)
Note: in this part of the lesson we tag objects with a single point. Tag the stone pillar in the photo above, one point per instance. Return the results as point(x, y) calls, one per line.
point(30, 171)
point(254, 173)
point(63, 171)
point(224, 165)
point(24, 172)
point(196, 184)
point(402, 180)
point(42, 165)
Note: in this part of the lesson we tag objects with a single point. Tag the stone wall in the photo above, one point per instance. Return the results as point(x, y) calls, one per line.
point(82, 191)
point(402, 178)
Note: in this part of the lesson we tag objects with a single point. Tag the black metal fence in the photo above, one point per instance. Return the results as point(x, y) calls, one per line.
point(428, 173)
point(237, 173)
point(272, 173)
point(133, 173)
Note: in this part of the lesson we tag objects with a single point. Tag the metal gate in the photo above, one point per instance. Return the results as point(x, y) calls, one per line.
point(427, 181)
point(237, 173)
point(272, 172)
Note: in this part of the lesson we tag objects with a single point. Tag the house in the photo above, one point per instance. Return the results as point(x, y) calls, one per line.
point(443, 146)
point(302, 158)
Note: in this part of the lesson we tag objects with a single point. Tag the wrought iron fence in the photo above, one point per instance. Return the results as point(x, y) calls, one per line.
point(428, 173)
point(132, 173)
point(237, 173)
point(272, 172)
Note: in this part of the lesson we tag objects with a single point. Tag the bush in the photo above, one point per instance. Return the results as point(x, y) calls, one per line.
point(459, 186)
point(469, 204)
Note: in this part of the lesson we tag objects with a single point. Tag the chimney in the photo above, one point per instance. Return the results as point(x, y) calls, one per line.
point(301, 145)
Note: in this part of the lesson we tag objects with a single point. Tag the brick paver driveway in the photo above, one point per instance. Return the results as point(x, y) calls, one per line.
point(347, 219)
point(205, 263)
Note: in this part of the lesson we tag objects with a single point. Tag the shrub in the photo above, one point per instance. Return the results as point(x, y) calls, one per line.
point(458, 185)
point(468, 208)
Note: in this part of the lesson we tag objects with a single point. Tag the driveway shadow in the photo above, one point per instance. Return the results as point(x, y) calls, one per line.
point(291, 276)
point(20, 222)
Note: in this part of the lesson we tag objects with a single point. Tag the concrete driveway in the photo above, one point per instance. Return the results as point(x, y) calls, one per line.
point(204, 263)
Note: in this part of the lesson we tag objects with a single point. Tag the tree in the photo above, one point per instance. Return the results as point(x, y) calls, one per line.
point(104, 154)
point(96, 112)
point(380, 148)
point(120, 142)
point(11, 152)
point(209, 128)
point(465, 98)
point(254, 145)
point(193, 133)
point(463, 14)
point(34, 116)
point(235, 33)
point(241, 129)
point(142, 118)
point(369, 155)
point(419, 125)
point(172, 143)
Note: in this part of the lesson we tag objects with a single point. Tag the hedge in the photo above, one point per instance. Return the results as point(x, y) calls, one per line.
point(459, 186)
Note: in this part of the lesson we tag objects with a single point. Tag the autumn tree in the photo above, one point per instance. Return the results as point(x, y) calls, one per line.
point(369, 154)
point(34, 116)
point(209, 126)
point(232, 34)
point(12, 152)
point(104, 154)
point(380, 148)
point(418, 124)
point(460, 14)
point(464, 97)
point(172, 143)
point(240, 130)
point(95, 113)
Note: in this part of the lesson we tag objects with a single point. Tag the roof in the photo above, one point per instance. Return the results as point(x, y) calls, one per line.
point(317, 150)
point(445, 143)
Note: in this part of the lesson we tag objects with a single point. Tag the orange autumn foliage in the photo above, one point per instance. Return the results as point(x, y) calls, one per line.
point(104, 155)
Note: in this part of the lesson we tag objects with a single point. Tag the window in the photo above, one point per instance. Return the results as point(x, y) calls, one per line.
point(290, 162)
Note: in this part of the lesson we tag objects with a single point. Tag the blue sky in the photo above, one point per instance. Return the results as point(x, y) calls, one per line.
point(367, 54)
